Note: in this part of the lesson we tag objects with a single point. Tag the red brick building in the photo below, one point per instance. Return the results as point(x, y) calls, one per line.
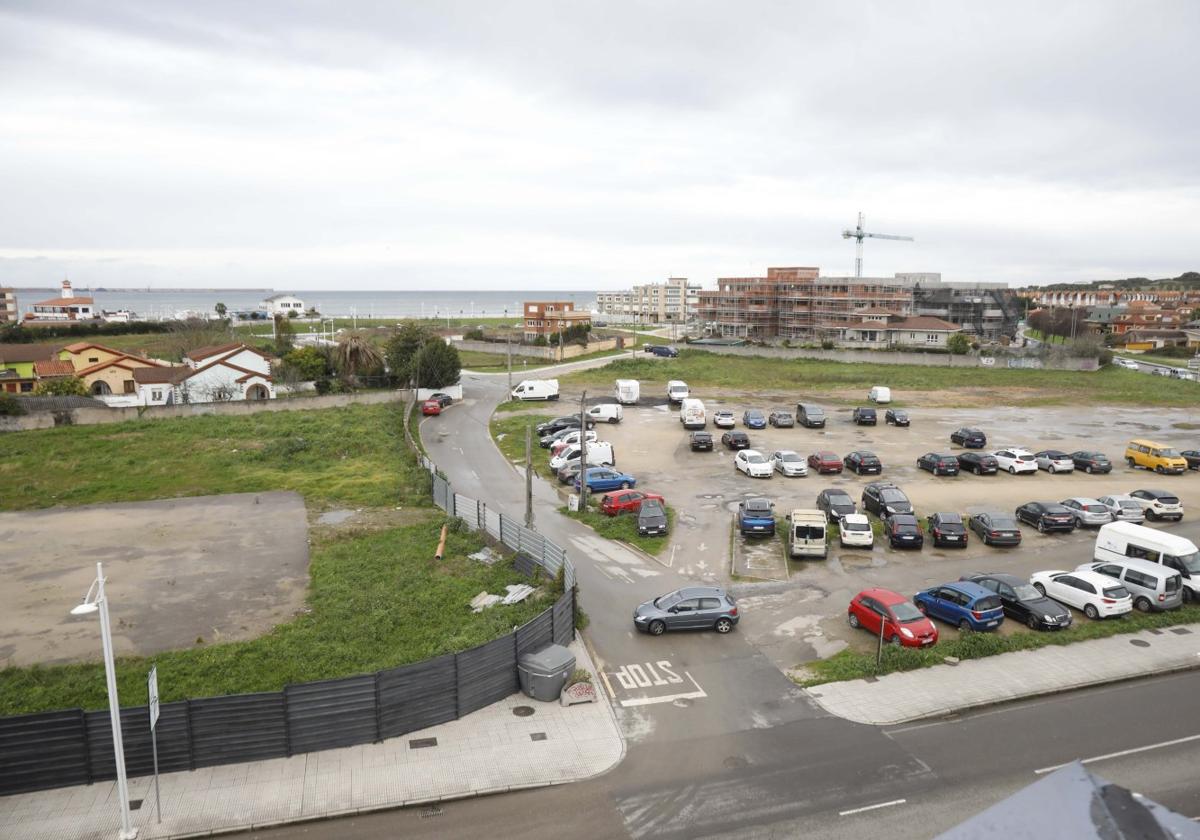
point(549, 317)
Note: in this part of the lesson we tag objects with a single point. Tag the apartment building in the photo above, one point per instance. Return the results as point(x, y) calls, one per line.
point(8, 306)
point(653, 303)
point(548, 317)
point(985, 310)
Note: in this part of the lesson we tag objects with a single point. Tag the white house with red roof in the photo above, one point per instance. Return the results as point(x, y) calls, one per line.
point(882, 328)
point(65, 307)
point(225, 373)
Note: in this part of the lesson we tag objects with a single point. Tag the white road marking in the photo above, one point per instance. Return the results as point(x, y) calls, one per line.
point(1121, 753)
point(871, 807)
point(698, 694)
point(608, 685)
point(674, 549)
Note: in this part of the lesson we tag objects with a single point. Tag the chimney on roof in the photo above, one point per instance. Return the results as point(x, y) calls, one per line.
point(66, 289)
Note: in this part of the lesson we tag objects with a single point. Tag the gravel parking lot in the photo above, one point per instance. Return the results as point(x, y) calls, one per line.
point(803, 618)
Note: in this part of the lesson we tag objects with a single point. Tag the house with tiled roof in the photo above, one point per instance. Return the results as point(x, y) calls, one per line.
point(882, 329)
point(66, 307)
point(224, 373)
point(17, 374)
point(105, 371)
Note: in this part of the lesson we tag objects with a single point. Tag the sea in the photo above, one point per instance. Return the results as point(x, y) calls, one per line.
point(164, 304)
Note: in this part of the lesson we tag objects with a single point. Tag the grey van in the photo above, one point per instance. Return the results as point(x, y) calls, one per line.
point(1153, 586)
point(810, 416)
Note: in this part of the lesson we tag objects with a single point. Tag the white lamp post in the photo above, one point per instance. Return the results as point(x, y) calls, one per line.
point(90, 605)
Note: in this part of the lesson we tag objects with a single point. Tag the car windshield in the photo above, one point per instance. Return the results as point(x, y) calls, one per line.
point(906, 613)
point(1116, 592)
point(1003, 523)
point(1168, 453)
point(724, 413)
point(1191, 562)
point(892, 495)
point(903, 415)
point(754, 415)
point(755, 459)
point(856, 526)
point(668, 601)
point(839, 498)
point(1026, 592)
point(814, 412)
point(789, 457)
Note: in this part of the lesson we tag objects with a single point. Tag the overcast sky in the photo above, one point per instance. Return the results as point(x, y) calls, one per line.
point(591, 145)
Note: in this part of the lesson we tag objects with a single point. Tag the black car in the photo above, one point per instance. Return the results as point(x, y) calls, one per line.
point(864, 416)
point(1047, 516)
point(781, 419)
point(884, 499)
point(1192, 456)
point(701, 442)
point(551, 427)
point(810, 416)
point(652, 518)
point(995, 528)
point(835, 503)
point(979, 463)
point(946, 529)
point(1022, 602)
point(443, 400)
point(969, 438)
point(736, 440)
point(938, 464)
point(663, 350)
point(863, 462)
point(903, 531)
point(896, 416)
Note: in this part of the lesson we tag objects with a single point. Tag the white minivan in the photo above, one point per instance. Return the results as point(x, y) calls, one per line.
point(677, 391)
point(536, 389)
point(808, 534)
point(599, 454)
point(880, 394)
point(1118, 540)
point(627, 391)
point(605, 413)
point(691, 414)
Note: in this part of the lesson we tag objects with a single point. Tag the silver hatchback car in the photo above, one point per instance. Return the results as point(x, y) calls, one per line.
point(1088, 512)
point(1123, 508)
point(690, 608)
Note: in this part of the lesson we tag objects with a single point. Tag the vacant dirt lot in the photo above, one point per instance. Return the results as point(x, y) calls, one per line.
point(217, 568)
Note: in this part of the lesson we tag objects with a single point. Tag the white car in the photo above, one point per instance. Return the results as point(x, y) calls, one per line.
point(789, 463)
point(723, 419)
point(1128, 364)
point(1123, 508)
point(855, 531)
point(753, 464)
point(1016, 460)
point(1099, 596)
point(568, 439)
point(1158, 504)
point(1055, 461)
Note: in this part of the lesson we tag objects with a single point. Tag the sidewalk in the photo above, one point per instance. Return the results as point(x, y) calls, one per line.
point(943, 689)
point(490, 751)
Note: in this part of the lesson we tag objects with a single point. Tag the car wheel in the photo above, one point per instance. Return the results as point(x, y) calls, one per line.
point(724, 625)
point(894, 641)
point(854, 622)
point(657, 628)
point(1151, 515)
point(1142, 605)
point(1188, 597)
point(1012, 470)
point(1041, 526)
point(1129, 463)
point(1091, 612)
point(1031, 622)
point(1158, 469)
point(964, 626)
point(977, 471)
point(625, 485)
point(1088, 470)
point(1052, 470)
point(1041, 589)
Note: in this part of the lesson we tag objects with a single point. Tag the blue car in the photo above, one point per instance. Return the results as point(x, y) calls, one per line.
point(754, 419)
point(663, 350)
point(966, 605)
point(756, 517)
point(601, 479)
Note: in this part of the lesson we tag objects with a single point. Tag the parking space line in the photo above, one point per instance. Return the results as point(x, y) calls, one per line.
point(871, 807)
point(1120, 754)
point(698, 694)
point(612, 694)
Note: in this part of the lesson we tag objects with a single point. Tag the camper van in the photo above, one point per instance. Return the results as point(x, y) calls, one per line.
point(1119, 540)
point(880, 394)
point(627, 391)
point(677, 391)
point(536, 389)
point(807, 533)
point(605, 413)
point(691, 414)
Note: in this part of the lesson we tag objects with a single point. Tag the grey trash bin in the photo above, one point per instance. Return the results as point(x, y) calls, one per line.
point(544, 673)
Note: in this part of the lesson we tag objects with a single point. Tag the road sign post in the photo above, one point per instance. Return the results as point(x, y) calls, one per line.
point(152, 690)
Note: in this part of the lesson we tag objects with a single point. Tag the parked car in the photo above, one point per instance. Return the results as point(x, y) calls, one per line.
point(864, 416)
point(652, 518)
point(569, 437)
point(938, 464)
point(789, 463)
point(431, 408)
point(443, 399)
point(1153, 586)
point(701, 441)
point(606, 413)
point(664, 350)
point(896, 416)
point(781, 419)
point(836, 503)
point(969, 438)
point(625, 501)
point(810, 416)
point(1024, 603)
point(550, 427)
point(883, 498)
point(1123, 508)
point(979, 463)
point(754, 419)
point(1054, 461)
point(1091, 462)
point(1088, 512)
point(880, 394)
point(736, 440)
point(1046, 516)
point(854, 530)
point(1014, 460)
point(1129, 364)
point(756, 517)
point(946, 530)
point(995, 528)
point(902, 623)
point(548, 441)
point(862, 462)
point(690, 608)
point(825, 461)
point(723, 418)
point(966, 605)
point(1158, 504)
point(1154, 456)
point(1097, 595)
point(753, 464)
point(1192, 456)
point(600, 479)
point(903, 531)
point(567, 474)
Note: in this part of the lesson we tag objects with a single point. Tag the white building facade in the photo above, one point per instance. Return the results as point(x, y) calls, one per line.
point(653, 303)
point(283, 305)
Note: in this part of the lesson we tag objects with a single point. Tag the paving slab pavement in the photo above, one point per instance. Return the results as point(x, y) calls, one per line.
point(945, 689)
point(489, 751)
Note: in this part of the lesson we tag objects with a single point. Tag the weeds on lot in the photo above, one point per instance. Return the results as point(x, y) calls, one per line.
point(623, 527)
point(852, 665)
point(509, 435)
point(375, 601)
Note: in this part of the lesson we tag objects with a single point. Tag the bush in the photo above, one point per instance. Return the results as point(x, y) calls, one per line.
point(66, 386)
point(473, 335)
point(1105, 357)
point(10, 406)
point(958, 344)
point(827, 344)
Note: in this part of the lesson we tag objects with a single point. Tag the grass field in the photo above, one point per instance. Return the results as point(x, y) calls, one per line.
point(509, 434)
point(622, 527)
point(375, 601)
point(337, 456)
point(1016, 386)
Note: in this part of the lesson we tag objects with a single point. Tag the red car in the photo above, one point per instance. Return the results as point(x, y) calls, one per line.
point(903, 623)
point(825, 462)
point(625, 501)
point(431, 407)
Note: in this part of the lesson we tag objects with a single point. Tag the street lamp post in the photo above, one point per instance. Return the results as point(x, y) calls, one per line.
point(100, 602)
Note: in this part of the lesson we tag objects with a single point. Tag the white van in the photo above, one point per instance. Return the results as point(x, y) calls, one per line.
point(880, 394)
point(1118, 540)
point(677, 391)
point(599, 454)
point(627, 391)
point(808, 534)
point(691, 414)
point(605, 413)
point(536, 389)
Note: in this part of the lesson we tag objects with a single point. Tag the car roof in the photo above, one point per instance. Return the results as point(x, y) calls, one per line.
point(859, 518)
point(692, 591)
point(863, 452)
point(966, 587)
point(1083, 500)
point(829, 491)
point(904, 518)
point(1154, 492)
point(1004, 577)
point(757, 502)
point(1095, 577)
point(944, 513)
point(885, 596)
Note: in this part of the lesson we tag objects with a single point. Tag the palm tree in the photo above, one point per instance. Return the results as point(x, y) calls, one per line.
point(355, 352)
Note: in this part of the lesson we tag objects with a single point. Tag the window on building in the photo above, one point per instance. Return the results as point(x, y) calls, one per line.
point(156, 395)
point(932, 338)
point(93, 360)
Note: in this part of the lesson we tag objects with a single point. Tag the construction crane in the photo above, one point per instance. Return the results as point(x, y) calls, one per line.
point(859, 234)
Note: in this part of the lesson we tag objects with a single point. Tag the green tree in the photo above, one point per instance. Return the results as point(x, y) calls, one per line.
point(958, 344)
point(283, 335)
point(10, 406)
point(65, 386)
point(221, 310)
point(309, 363)
point(292, 313)
point(402, 348)
point(355, 354)
point(437, 365)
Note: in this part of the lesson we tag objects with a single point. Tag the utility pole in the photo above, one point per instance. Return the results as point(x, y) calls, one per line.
point(583, 486)
point(508, 349)
point(529, 477)
point(560, 340)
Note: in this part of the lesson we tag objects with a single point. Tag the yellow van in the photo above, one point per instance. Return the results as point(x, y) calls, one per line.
point(1154, 456)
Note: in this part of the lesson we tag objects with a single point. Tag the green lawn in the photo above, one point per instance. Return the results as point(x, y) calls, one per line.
point(338, 456)
point(375, 601)
point(623, 527)
point(478, 360)
point(509, 434)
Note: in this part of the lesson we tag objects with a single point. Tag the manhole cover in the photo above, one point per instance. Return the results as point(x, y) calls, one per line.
point(1181, 631)
point(537, 736)
point(1139, 642)
point(523, 711)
